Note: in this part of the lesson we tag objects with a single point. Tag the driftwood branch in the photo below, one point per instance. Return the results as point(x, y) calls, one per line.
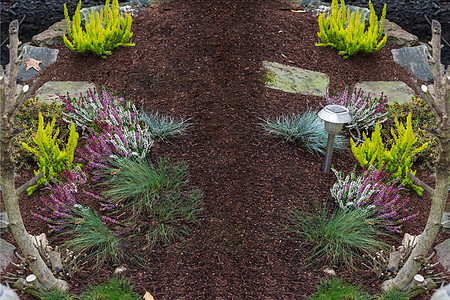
point(420, 183)
point(29, 183)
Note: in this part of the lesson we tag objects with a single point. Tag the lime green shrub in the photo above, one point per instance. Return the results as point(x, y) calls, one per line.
point(104, 31)
point(27, 118)
point(345, 32)
point(51, 159)
point(398, 160)
point(423, 118)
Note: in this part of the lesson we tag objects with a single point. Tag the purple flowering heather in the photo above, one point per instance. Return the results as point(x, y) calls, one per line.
point(62, 204)
point(365, 110)
point(370, 191)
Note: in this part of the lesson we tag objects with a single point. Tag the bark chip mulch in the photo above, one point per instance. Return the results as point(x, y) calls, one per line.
point(203, 59)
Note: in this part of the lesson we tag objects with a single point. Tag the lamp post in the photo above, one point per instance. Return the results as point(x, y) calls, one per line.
point(334, 116)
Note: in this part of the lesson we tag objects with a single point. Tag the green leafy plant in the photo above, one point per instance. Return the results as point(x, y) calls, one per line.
point(104, 31)
point(392, 295)
point(398, 159)
point(51, 159)
point(113, 288)
point(345, 32)
point(306, 129)
point(157, 199)
point(336, 238)
point(89, 236)
point(27, 122)
point(423, 120)
point(335, 288)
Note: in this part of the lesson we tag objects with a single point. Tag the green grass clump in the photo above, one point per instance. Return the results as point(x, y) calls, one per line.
point(306, 129)
point(56, 294)
point(161, 126)
point(89, 236)
point(335, 288)
point(337, 238)
point(156, 199)
point(113, 288)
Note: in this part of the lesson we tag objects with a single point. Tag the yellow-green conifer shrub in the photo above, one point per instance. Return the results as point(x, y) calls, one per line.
point(345, 32)
point(397, 160)
point(103, 32)
point(51, 159)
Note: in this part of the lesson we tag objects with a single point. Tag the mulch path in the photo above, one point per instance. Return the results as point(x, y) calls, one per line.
point(203, 59)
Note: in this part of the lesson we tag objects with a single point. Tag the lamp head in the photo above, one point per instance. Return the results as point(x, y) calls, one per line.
point(335, 116)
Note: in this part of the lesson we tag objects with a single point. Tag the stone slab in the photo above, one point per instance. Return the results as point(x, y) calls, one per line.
point(4, 222)
point(6, 254)
point(295, 80)
point(49, 91)
point(415, 59)
point(46, 55)
point(395, 91)
point(443, 254)
point(446, 222)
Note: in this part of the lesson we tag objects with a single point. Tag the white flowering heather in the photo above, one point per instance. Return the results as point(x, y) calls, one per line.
point(369, 192)
point(133, 142)
point(365, 110)
point(307, 129)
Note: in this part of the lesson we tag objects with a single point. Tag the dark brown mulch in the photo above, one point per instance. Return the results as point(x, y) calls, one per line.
point(203, 59)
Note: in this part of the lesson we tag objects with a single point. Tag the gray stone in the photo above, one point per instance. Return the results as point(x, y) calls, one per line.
point(399, 37)
point(4, 222)
point(443, 253)
point(415, 59)
point(6, 254)
point(446, 222)
point(295, 80)
point(318, 7)
point(50, 37)
point(46, 55)
point(50, 90)
point(127, 7)
point(395, 91)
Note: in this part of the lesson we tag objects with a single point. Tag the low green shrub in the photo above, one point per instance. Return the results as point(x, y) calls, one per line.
point(27, 122)
point(398, 159)
point(156, 200)
point(422, 118)
point(335, 288)
point(104, 31)
point(336, 238)
point(112, 288)
point(345, 32)
point(306, 129)
point(51, 159)
point(89, 236)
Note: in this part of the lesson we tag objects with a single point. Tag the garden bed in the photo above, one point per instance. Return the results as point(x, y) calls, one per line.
point(203, 60)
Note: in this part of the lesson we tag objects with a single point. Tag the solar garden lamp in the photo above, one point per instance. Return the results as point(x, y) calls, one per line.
point(334, 116)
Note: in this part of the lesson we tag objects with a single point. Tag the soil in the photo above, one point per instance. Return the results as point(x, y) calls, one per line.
point(202, 59)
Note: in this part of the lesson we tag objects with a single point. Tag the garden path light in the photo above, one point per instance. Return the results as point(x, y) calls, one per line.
point(334, 116)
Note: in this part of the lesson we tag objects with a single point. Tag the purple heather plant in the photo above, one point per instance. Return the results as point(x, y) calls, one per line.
point(370, 191)
point(365, 110)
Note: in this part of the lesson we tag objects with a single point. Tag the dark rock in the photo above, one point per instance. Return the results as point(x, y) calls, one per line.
point(415, 59)
point(46, 55)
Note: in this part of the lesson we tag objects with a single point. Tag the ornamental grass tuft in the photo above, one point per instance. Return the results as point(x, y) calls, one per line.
point(155, 200)
point(337, 238)
point(161, 126)
point(306, 129)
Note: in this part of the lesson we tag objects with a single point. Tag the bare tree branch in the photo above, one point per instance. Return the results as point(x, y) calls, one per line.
point(420, 183)
point(29, 183)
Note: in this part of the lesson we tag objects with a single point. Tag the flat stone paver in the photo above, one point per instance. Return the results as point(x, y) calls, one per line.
point(49, 91)
point(395, 91)
point(295, 80)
